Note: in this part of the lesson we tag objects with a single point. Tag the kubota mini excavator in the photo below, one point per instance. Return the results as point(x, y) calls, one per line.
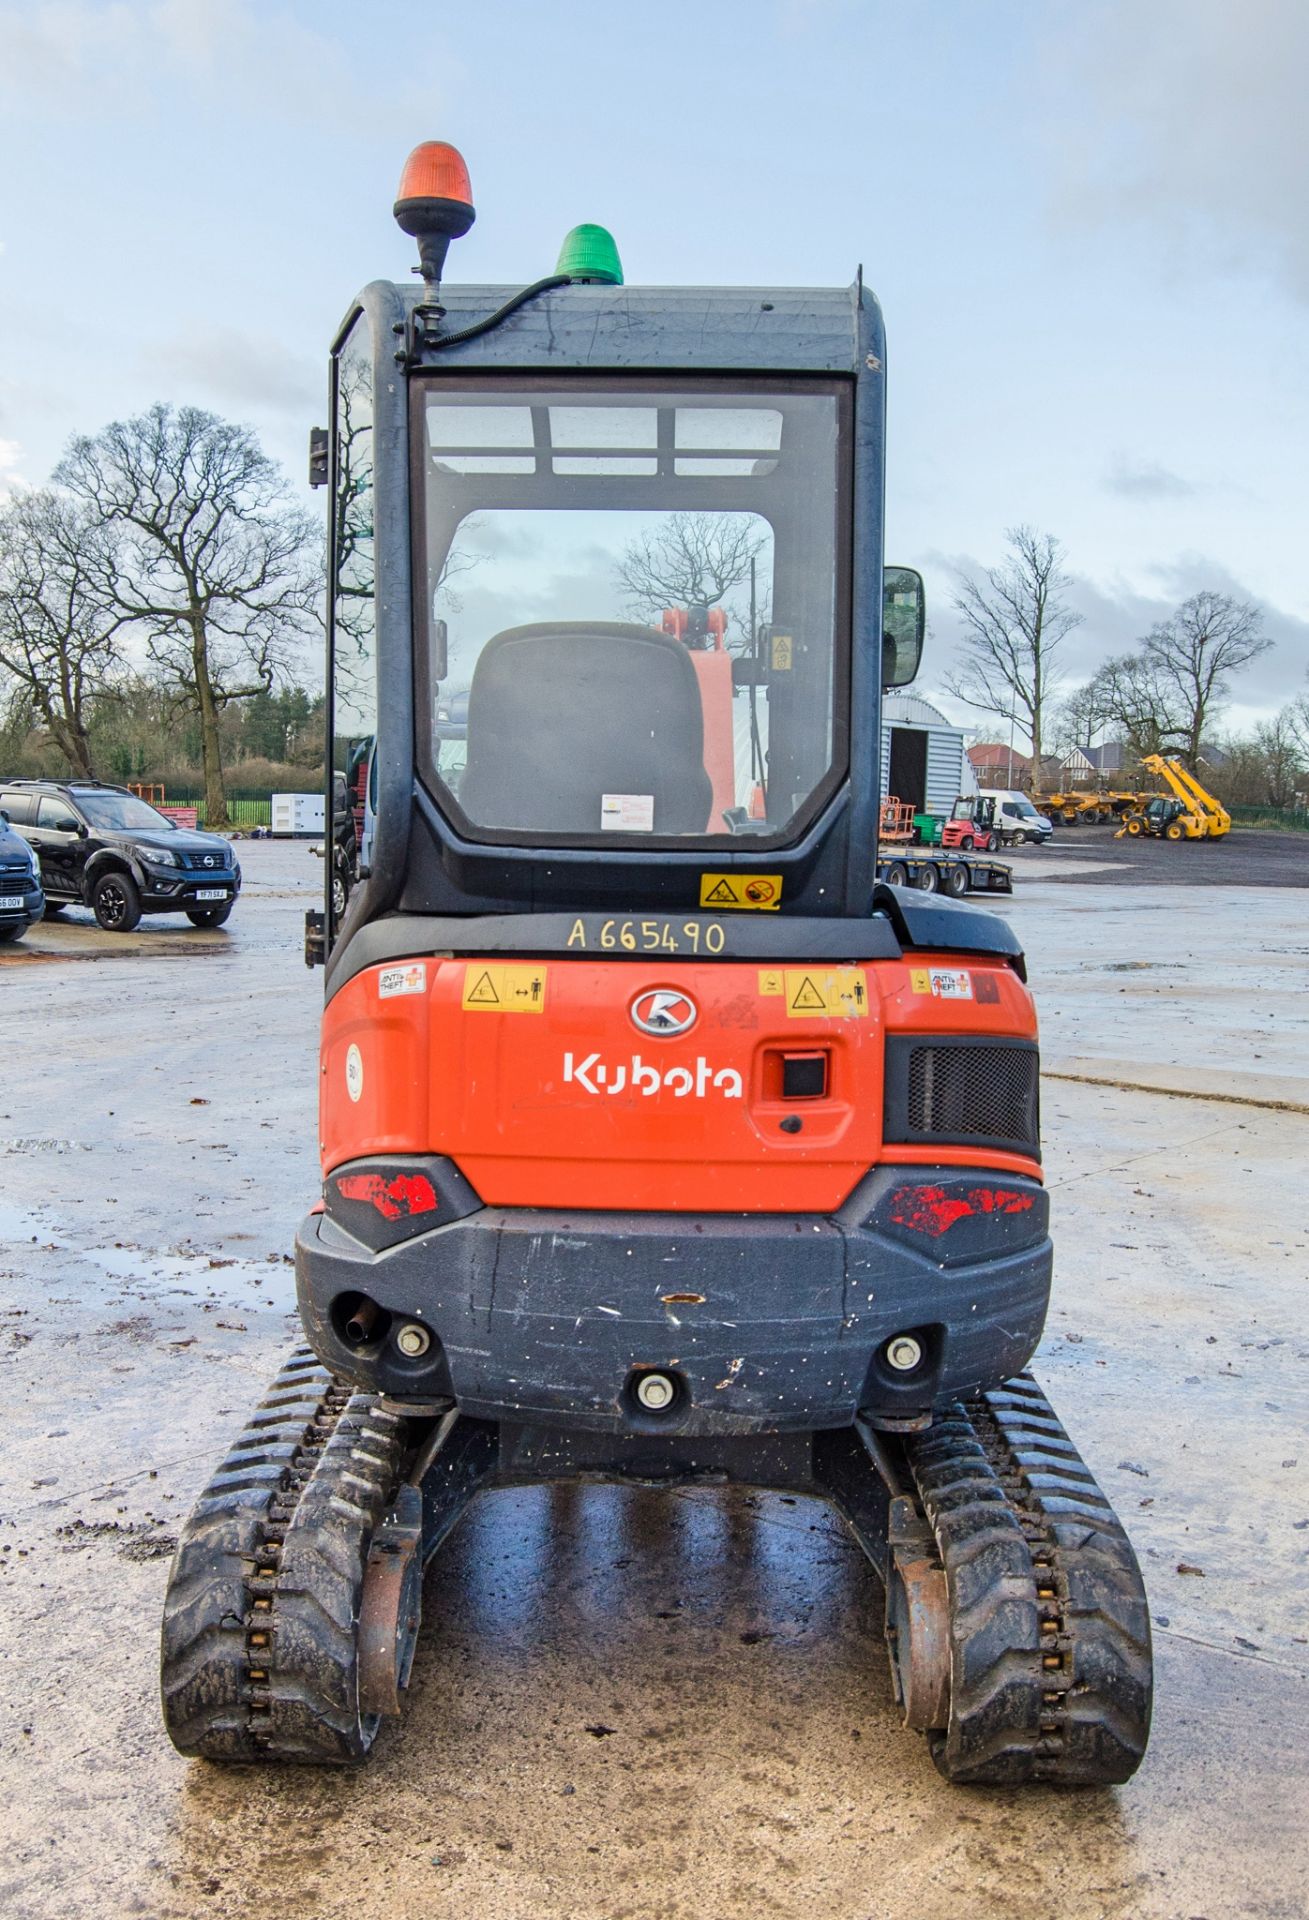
point(659, 1142)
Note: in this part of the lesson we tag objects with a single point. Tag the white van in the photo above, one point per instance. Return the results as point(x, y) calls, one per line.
point(1015, 818)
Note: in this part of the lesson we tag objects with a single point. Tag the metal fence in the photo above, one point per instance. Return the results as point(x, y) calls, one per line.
point(246, 806)
point(241, 813)
point(1294, 817)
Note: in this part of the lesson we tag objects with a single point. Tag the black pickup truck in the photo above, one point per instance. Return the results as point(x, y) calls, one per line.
point(102, 847)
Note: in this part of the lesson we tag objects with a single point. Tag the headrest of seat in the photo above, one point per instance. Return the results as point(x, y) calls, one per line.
point(562, 713)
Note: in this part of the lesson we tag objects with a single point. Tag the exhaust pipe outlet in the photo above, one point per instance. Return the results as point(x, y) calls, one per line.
point(361, 1321)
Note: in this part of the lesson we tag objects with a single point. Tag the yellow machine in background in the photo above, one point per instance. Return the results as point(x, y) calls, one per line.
point(1193, 814)
point(1078, 808)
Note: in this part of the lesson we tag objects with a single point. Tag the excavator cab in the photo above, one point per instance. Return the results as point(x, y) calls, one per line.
point(659, 1141)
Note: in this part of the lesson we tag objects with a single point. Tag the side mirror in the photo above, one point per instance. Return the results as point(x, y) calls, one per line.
point(440, 651)
point(904, 623)
point(82, 831)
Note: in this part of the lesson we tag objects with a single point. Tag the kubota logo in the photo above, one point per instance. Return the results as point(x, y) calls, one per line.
point(663, 1012)
point(594, 1075)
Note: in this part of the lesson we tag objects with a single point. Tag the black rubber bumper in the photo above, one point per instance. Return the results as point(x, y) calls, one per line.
point(766, 1322)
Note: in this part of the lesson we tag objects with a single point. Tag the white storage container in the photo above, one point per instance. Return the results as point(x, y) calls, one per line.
point(295, 813)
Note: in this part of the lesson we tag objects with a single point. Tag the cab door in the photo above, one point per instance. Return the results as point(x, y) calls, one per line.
point(60, 840)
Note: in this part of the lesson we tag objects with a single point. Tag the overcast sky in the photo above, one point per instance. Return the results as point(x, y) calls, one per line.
point(1086, 224)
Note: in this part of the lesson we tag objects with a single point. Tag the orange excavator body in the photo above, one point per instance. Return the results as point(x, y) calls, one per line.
point(553, 1098)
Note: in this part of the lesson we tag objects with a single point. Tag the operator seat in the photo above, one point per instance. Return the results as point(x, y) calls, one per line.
point(562, 713)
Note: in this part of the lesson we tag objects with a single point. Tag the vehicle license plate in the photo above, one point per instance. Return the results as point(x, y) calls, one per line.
point(10, 902)
point(211, 893)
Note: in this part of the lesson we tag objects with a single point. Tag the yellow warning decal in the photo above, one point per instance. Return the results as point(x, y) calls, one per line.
point(771, 981)
point(499, 989)
point(831, 992)
point(760, 892)
point(782, 651)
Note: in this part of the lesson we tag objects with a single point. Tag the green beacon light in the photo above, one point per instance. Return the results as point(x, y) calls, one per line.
point(589, 253)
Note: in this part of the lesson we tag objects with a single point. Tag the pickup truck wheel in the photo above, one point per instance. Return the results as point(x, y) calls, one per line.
point(116, 902)
point(209, 916)
point(340, 897)
point(927, 879)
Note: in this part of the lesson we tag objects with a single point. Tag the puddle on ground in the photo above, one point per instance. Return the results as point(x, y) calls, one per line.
point(20, 1226)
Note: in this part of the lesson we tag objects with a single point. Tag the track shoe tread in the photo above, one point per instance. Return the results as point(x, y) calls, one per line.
point(1049, 1624)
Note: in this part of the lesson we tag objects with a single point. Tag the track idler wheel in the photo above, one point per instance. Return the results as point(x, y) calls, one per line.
point(917, 1621)
point(392, 1606)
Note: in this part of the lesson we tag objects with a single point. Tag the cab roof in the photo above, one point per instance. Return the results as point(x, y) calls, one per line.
point(820, 330)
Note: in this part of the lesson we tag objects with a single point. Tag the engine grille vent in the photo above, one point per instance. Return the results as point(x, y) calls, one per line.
point(965, 1092)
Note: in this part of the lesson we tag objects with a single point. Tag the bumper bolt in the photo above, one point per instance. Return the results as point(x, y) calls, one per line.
point(655, 1392)
point(903, 1353)
point(413, 1340)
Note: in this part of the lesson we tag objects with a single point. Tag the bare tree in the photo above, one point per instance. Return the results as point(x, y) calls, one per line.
point(691, 559)
point(1015, 619)
point(1140, 703)
point(1193, 656)
point(1282, 758)
point(1296, 714)
point(204, 556)
point(59, 634)
point(1077, 719)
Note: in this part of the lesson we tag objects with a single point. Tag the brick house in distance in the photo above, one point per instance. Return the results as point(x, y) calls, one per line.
point(995, 765)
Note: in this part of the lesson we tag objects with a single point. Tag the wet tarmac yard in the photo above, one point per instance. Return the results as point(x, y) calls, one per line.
point(628, 1703)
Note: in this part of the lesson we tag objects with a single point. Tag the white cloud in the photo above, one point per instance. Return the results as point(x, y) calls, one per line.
point(240, 371)
point(75, 59)
point(1145, 480)
point(1187, 118)
point(11, 480)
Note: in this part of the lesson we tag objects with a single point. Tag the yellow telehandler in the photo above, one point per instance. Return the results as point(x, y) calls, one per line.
point(1193, 814)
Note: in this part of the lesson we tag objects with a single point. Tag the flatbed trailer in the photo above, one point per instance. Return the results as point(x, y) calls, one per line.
point(935, 870)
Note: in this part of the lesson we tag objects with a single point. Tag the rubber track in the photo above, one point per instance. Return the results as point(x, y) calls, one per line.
point(1050, 1656)
point(258, 1655)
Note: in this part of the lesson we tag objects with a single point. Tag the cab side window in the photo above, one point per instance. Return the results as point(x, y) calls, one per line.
point(57, 815)
point(353, 632)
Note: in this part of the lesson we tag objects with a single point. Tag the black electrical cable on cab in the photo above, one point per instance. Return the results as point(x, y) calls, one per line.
point(434, 340)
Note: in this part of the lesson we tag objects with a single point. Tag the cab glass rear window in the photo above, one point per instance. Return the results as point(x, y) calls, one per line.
point(635, 622)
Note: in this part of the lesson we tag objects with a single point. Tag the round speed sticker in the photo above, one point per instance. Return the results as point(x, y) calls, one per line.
point(354, 1072)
